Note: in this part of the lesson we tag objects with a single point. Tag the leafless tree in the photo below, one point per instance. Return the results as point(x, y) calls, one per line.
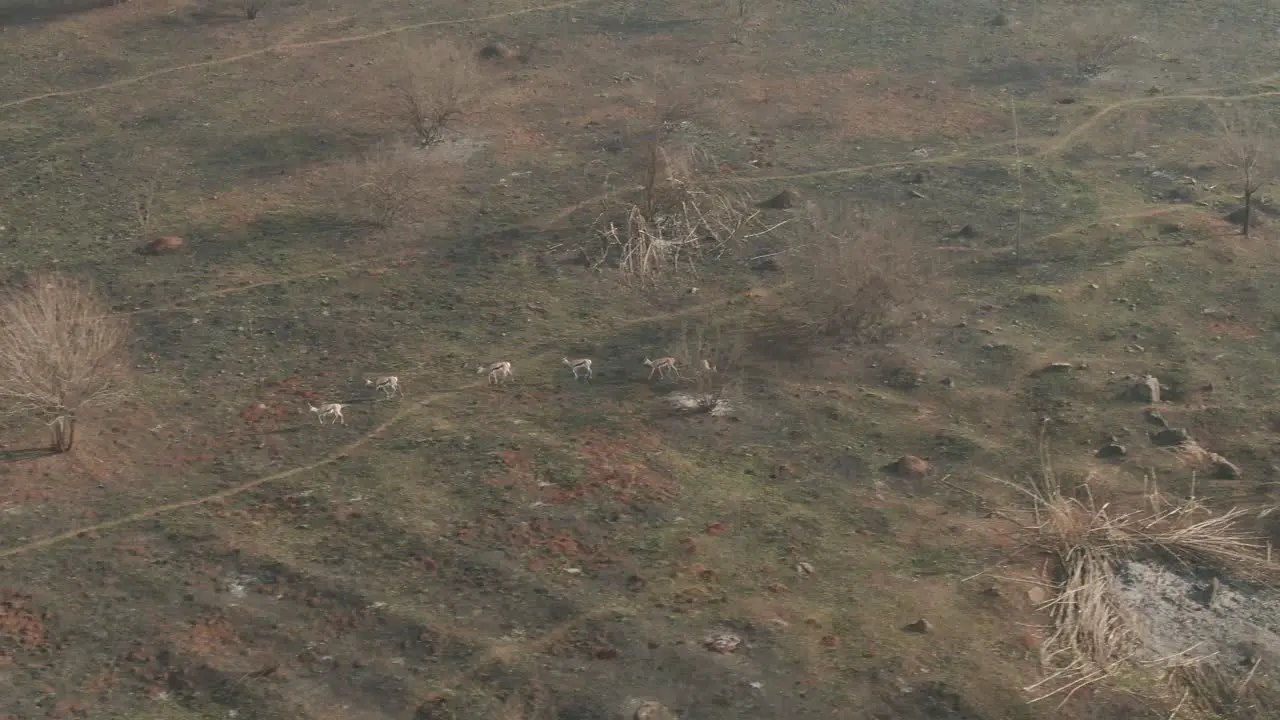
point(434, 90)
point(1245, 146)
point(60, 352)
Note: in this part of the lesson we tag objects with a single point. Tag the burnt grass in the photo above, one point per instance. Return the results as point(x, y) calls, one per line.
point(560, 549)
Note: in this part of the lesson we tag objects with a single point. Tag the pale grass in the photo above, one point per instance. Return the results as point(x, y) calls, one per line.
point(1093, 634)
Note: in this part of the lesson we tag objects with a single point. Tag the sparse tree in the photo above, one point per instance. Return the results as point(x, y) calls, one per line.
point(434, 91)
point(1244, 138)
point(61, 351)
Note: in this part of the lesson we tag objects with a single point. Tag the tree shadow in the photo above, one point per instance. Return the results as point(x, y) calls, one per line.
point(25, 454)
point(14, 13)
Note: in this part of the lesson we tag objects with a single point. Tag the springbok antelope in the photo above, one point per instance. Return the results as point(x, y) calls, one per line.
point(333, 411)
point(498, 372)
point(661, 365)
point(583, 364)
point(390, 384)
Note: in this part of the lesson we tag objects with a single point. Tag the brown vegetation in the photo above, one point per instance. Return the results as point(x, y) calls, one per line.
point(860, 277)
point(391, 181)
point(60, 352)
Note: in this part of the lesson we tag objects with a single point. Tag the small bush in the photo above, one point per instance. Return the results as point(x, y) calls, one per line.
point(391, 180)
point(252, 8)
point(860, 278)
point(434, 90)
point(1097, 41)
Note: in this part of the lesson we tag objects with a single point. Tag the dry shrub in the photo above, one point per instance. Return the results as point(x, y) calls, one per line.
point(861, 277)
point(713, 354)
point(60, 352)
point(1094, 635)
point(392, 179)
point(435, 89)
point(1098, 39)
point(679, 218)
point(251, 8)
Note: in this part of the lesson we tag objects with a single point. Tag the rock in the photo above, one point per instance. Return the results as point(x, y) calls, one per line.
point(495, 51)
point(1138, 155)
point(1236, 217)
point(1146, 390)
point(651, 710)
point(1000, 20)
point(909, 466)
point(1170, 437)
point(160, 245)
point(1155, 418)
point(1170, 228)
point(921, 626)
point(1222, 468)
point(966, 232)
point(784, 200)
point(1056, 367)
point(947, 382)
point(1111, 451)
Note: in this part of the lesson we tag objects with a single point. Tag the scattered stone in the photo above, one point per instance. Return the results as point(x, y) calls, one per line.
point(965, 232)
point(804, 568)
point(723, 643)
point(651, 710)
point(495, 51)
point(1146, 390)
point(160, 245)
point(921, 626)
point(1155, 418)
point(784, 200)
point(1170, 437)
point(1056, 367)
point(1037, 595)
point(1111, 451)
point(1222, 468)
point(947, 382)
point(1138, 155)
point(909, 466)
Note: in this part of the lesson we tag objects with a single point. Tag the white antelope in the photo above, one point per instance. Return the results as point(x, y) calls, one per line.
point(498, 372)
point(333, 411)
point(583, 364)
point(661, 365)
point(390, 384)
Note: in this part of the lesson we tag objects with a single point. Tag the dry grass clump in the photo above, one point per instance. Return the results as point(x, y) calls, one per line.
point(861, 278)
point(435, 88)
point(1094, 635)
point(60, 352)
point(679, 218)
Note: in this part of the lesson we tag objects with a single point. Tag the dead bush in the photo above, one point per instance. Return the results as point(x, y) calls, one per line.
point(60, 352)
point(391, 180)
point(678, 216)
point(861, 278)
point(1099, 39)
point(713, 353)
point(251, 8)
point(1094, 634)
point(435, 88)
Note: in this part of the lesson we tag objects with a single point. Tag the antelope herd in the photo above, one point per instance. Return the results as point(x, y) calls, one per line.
point(498, 372)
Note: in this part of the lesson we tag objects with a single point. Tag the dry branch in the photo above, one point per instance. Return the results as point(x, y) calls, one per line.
point(434, 91)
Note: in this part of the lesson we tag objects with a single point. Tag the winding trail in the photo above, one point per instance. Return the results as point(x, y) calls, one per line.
point(277, 47)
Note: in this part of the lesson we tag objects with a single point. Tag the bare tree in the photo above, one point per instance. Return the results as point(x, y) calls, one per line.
point(434, 90)
point(60, 352)
point(1245, 146)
